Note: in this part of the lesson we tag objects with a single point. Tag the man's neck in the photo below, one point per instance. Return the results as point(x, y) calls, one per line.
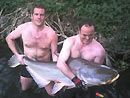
point(84, 44)
point(38, 28)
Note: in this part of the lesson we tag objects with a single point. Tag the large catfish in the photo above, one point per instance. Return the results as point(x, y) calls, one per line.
point(44, 72)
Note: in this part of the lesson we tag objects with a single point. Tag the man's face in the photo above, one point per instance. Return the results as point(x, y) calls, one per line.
point(38, 16)
point(86, 34)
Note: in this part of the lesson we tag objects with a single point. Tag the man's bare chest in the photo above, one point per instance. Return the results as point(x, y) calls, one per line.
point(41, 41)
point(85, 53)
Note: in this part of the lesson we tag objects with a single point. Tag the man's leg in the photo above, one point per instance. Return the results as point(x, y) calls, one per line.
point(25, 78)
point(25, 83)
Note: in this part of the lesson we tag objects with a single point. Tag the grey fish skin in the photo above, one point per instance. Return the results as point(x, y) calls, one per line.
point(93, 74)
point(44, 72)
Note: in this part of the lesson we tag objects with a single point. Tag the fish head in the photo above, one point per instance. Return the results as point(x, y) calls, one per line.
point(75, 64)
point(97, 75)
point(87, 75)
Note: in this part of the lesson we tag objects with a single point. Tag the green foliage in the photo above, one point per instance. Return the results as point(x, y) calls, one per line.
point(107, 14)
point(10, 5)
point(121, 65)
point(120, 42)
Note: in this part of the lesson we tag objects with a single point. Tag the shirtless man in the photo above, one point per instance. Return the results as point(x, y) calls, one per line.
point(37, 39)
point(82, 45)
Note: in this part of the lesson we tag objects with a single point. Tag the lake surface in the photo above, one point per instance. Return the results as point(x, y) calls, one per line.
point(10, 84)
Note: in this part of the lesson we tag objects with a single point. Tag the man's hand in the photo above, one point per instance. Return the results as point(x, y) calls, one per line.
point(78, 83)
point(20, 59)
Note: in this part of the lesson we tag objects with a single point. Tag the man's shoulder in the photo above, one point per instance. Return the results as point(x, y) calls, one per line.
point(99, 46)
point(49, 30)
point(48, 27)
point(24, 25)
point(70, 40)
point(95, 42)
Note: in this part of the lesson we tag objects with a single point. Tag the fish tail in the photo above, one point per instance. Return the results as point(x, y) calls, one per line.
point(13, 62)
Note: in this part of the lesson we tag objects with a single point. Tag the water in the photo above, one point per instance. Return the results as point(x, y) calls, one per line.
point(10, 84)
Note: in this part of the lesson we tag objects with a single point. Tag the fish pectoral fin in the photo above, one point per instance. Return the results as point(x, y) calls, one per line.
point(83, 78)
point(57, 87)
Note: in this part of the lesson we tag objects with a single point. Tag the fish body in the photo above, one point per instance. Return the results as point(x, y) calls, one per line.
point(44, 72)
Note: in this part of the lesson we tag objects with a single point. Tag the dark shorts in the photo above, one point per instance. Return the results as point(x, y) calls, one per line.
point(24, 72)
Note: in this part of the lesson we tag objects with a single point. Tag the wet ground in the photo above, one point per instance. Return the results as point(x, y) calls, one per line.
point(10, 84)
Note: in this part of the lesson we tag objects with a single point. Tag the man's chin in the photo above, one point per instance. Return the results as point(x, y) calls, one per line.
point(86, 43)
point(39, 24)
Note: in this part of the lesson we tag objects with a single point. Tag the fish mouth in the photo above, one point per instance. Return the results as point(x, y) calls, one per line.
point(103, 83)
point(111, 81)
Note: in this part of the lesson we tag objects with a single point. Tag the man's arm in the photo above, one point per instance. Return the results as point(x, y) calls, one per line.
point(63, 57)
point(100, 56)
point(61, 64)
point(11, 44)
point(54, 47)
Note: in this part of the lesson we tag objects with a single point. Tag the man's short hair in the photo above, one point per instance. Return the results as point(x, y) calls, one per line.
point(37, 5)
point(85, 21)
